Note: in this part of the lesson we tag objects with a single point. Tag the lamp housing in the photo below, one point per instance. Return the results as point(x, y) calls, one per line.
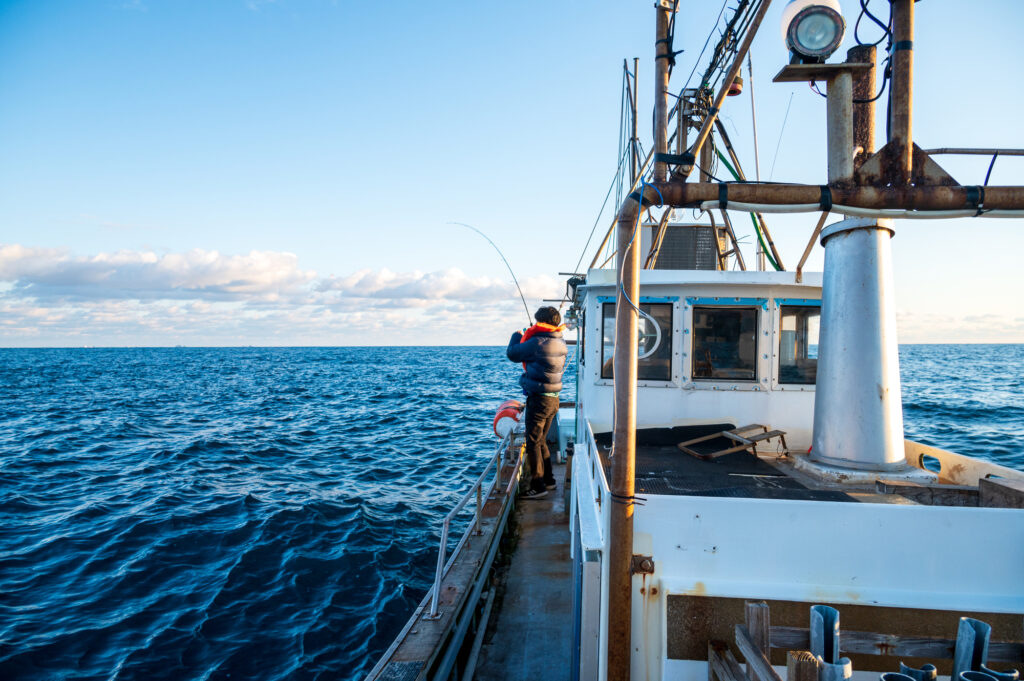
point(812, 29)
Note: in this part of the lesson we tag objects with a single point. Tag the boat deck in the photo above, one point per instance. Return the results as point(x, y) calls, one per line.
point(533, 638)
point(661, 468)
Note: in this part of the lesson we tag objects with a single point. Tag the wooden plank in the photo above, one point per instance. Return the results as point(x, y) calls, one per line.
point(758, 666)
point(758, 621)
point(722, 664)
point(1001, 493)
point(796, 73)
point(931, 495)
point(870, 643)
point(801, 665)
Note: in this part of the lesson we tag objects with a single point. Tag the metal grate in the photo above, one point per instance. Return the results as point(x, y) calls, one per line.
point(688, 247)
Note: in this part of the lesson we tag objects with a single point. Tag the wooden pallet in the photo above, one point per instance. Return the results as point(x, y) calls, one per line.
point(740, 435)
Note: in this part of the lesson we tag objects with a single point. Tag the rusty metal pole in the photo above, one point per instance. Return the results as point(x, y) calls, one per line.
point(620, 550)
point(662, 57)
point(863, 108)
point(840, 128)
point(901, 133)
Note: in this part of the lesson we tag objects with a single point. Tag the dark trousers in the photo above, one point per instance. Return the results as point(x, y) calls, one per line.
point(540, 414)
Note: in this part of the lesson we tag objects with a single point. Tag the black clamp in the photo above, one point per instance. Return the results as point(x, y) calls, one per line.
point(627, 499)
point(825, 202)
point(907, 45)
point(723, 195)
point(976, 198)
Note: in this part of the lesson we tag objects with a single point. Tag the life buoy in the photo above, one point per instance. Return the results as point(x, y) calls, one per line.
point(507, 417)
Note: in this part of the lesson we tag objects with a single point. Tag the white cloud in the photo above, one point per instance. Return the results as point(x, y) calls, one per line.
point(51, 273)
point(51, 297)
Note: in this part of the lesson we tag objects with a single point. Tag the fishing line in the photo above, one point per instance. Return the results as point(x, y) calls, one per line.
point(529, 317)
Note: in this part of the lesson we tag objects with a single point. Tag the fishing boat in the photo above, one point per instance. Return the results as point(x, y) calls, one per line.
point(737, 499)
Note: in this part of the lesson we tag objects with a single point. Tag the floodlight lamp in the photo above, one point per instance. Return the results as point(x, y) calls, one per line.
point(812, 29)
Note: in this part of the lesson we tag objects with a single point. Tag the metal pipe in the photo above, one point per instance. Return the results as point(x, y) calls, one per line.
point(634, 139)
point(662, 56)
point(863, 104)
point(678, 193)
point(971, 151)
point(440, 570)
point(723, 89)
point(858, 414)
point(901, 130)
point(479, 509)
point(971, 651)
point(927, 672)
point(620, 545)
point(839, 108)
point(810, 245)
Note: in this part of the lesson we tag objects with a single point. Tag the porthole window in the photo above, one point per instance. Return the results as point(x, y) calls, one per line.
point(725, 344)
point(654, 341)
point(798, 344)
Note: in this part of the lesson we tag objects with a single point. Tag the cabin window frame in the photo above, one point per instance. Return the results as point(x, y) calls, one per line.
point(762, 341)
point(779, 303)
point(675, 364)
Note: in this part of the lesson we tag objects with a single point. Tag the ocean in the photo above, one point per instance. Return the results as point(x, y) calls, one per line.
point(273, 513)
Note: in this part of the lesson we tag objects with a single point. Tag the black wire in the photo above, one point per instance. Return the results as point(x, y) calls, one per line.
point(886, 73)
point(864, 11)
point(814, 88)
point(990, 166)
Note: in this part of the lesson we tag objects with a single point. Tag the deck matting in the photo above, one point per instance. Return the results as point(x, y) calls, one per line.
point(661, 468)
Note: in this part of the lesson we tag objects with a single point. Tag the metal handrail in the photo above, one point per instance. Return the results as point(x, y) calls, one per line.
point(443, 566)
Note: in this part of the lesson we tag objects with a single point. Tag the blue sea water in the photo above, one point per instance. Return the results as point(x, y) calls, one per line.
point(272, 513)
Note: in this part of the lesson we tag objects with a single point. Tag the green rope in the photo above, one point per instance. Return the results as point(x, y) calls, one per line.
point(753, 218)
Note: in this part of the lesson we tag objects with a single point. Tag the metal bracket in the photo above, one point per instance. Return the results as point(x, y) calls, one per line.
point(641, 565)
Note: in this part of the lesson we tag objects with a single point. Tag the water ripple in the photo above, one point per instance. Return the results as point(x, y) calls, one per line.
point(271, 514)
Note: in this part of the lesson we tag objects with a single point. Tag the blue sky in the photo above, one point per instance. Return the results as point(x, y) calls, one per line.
point(283, 173)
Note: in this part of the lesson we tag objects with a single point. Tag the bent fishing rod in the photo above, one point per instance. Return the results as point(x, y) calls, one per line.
point(526, 307)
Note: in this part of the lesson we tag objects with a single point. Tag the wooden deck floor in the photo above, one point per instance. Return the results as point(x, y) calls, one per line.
point(533, 639)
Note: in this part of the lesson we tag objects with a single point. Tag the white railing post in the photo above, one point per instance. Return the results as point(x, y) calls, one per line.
point(440, 570)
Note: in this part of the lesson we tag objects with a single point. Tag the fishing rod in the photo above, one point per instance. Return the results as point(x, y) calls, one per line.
point(526, 307)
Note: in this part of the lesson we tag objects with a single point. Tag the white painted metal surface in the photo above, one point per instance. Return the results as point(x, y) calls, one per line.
point(858, 415)
point(683, 400)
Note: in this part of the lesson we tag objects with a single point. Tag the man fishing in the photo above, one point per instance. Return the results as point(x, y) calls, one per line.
point(542, 351)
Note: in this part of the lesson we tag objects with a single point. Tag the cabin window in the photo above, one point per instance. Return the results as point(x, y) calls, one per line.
point(798, 344)
point(654, 341)
point(725, 343)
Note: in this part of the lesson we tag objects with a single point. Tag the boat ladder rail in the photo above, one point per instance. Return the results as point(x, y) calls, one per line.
point(477, 491)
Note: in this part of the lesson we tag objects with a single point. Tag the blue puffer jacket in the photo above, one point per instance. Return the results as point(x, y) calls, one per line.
point(543, 357)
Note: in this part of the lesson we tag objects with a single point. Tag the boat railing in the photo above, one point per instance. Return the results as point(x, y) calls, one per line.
point(479, 493)
point(592, 491)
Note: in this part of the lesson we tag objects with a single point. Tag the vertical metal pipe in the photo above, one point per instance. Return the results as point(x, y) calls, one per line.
point(662, 55)
point(901, 134)
point(634, 140)
point(759, 253)
point(863, 108)
point(620, 552)
point(440, 569)
point(840, 128)
point(479, 509)
point(858, 415)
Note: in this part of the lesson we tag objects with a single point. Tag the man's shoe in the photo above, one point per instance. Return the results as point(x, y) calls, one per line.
point(534, 493)
point(550, 484)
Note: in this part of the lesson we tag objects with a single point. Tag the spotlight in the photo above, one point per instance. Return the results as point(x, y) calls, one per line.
point(812, 29)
